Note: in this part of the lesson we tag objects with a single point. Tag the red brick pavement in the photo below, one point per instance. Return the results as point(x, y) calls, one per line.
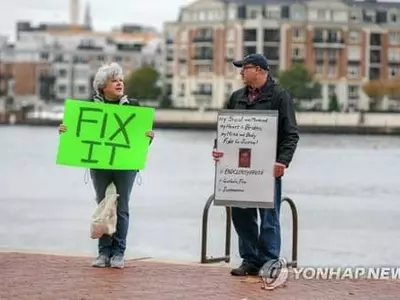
point(45, 277)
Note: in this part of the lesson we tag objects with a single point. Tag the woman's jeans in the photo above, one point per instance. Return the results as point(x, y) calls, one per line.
point(123, 181)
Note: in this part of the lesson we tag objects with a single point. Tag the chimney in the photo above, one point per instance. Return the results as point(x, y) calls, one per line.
point(74, 12)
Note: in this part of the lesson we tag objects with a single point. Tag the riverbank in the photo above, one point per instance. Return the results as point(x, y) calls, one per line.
point(309, 122)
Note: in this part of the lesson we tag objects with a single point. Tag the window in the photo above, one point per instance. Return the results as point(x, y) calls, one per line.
point(204, 88)
point(354, 53)
point(231, 34)
point(319, 54)
point(82, 89)
point(394, 55)
point(62, 73)
point(273, 12)
point(331, 89)
point(298, 14)
point(230, 53)
point(353, 91)
point(369, 16)
point(332, 70)
point(354, 16)
point(354, 36)
point(340, 16)
point(201, 69)
point(228, 88)
point(184, 36)
point(229, 68)
point(297, 52)
point(393, 17)
point(394, 38)
point(62, 89)
point(232, 14)
point(332, 54)
point(202, 16)
point(320, 69)
point(253, 14)
point(321, 14)
point(353, 71)
point(183, 69)
point(298, 33)
point(182, 89)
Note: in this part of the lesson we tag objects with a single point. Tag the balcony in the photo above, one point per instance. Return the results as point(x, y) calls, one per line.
point(320, 42)
point(271, 35)
point(375, 57)
point(89, 47)
point(297, 59)
point(203, 39)
point(202, 59)
point(394, 61)
point(200, 92)
point(353, 60)
point(375, 40)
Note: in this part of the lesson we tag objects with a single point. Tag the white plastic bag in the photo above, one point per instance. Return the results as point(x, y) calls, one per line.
point(104, 219)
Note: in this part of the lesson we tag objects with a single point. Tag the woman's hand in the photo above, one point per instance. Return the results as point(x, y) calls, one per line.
point(62, 128)
point(150, 134)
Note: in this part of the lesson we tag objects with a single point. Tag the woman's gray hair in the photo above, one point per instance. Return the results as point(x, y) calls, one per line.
point(105, 72)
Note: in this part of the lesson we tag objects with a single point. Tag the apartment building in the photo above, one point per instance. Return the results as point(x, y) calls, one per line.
point(344, 42)
point(53, 62)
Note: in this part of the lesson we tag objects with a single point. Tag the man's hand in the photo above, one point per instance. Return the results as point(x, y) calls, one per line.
point(217, 155)
point(279, 169)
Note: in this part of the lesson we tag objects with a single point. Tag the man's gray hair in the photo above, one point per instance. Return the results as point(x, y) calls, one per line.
point(105, 72)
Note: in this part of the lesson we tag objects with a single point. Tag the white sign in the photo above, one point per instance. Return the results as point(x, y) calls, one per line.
point(244, 175)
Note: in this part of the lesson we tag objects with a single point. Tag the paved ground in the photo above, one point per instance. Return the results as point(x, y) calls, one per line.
point(45, 277)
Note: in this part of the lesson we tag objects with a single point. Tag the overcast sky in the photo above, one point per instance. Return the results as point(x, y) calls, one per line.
point(105, 13)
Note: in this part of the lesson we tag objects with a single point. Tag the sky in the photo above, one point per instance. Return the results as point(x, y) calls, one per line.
point(106, 14)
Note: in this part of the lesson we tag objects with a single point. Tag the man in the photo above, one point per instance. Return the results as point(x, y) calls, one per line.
point(262, 93)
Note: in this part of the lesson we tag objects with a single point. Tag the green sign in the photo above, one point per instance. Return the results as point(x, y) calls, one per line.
point(105, 136)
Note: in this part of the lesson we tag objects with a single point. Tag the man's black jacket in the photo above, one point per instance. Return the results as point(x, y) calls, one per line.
point(273, 97)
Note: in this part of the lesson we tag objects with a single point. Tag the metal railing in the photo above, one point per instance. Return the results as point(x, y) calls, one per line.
point(226, 258)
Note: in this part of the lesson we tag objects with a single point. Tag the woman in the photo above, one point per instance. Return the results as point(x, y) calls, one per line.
point(109, 87)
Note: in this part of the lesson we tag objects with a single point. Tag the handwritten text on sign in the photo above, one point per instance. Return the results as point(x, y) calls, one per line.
point(244, 174)
point(105, 136)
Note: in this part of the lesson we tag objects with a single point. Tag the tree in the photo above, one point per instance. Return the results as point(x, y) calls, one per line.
point(300, 82)
point(143, 84)
point(376, 90)
point(333, 103)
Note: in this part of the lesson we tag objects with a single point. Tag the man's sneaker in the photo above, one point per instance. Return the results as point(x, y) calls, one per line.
point(117, 261)
point(245, 269)
point(101, 261)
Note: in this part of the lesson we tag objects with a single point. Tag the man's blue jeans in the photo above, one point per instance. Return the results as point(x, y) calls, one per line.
point(123, 181)
point(257, 246)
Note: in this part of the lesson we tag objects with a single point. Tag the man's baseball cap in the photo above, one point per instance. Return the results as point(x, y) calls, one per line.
point(253, 59)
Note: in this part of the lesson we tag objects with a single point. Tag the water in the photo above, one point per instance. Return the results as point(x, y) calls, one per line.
point(345, 188)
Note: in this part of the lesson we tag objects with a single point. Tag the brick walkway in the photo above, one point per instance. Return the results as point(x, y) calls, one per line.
point(45, 277)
